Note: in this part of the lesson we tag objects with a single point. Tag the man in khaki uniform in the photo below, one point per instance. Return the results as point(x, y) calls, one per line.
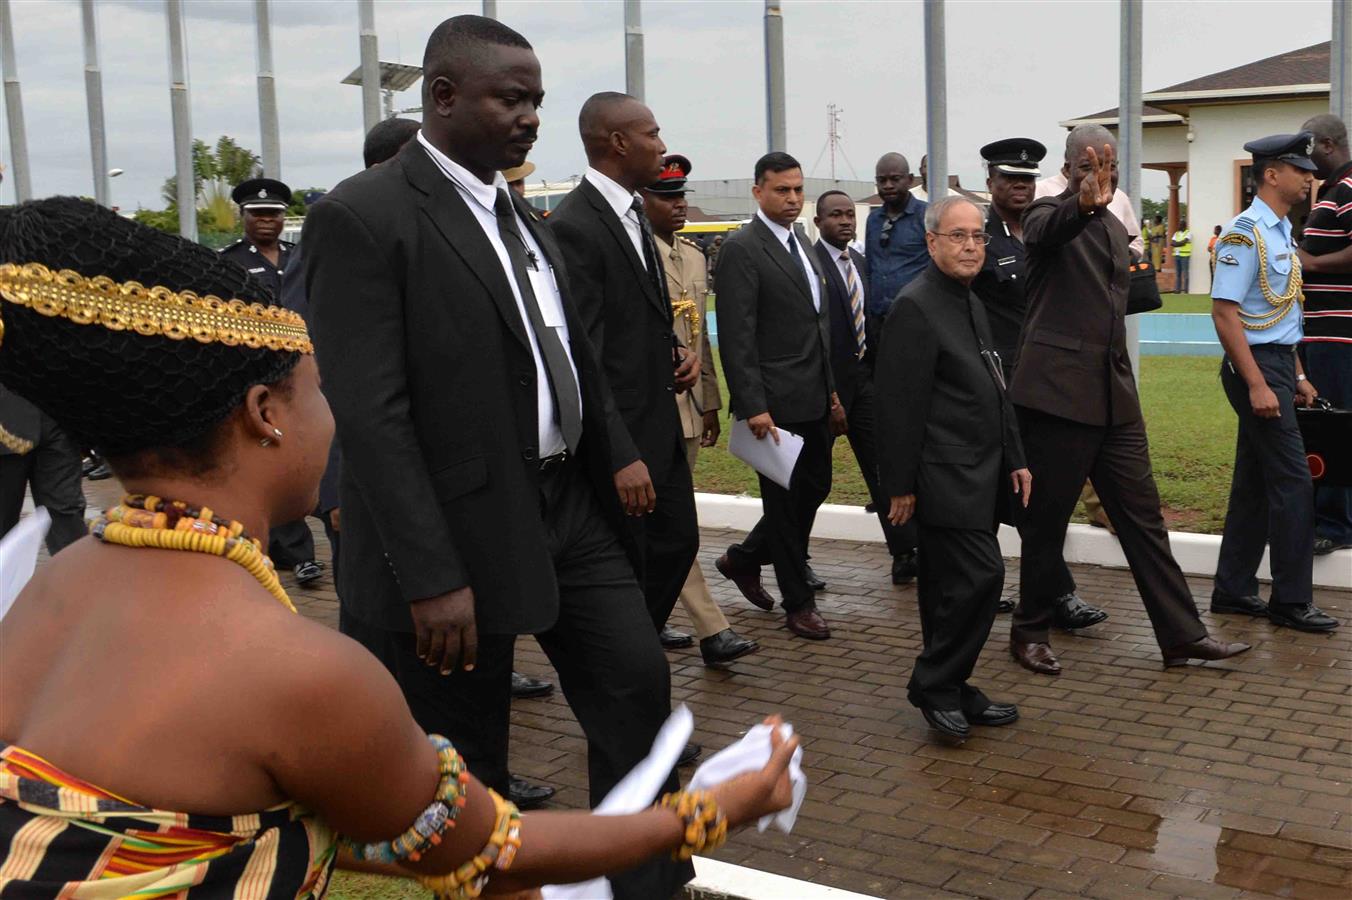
point(687, 283)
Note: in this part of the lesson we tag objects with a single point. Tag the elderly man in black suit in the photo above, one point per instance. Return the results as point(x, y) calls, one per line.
point(1080, 415)
point(952, 460)
point(846, 274)
point(774, 337)
point(480, 443)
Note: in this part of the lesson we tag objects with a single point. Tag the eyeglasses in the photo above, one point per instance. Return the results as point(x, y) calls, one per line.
point(962, 237)
point(885, 236)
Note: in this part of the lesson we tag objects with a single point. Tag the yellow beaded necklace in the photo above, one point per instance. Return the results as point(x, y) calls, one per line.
point(149, 521)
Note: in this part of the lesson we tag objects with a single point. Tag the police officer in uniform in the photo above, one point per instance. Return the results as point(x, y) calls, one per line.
point(1256, 305)
point(262, 206)
point(683, 266)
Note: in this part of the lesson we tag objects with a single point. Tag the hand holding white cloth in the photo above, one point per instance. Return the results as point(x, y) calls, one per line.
point(19, 555)
point(751, 754)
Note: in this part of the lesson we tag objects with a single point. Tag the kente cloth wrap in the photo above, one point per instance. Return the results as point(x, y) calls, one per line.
point(63, 837)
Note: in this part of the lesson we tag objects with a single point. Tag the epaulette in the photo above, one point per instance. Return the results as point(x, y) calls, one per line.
point(688, 242)
point(1244, 222)
point(290, 245)
point(232, 245)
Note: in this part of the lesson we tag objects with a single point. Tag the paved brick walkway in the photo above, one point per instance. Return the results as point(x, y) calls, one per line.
point(1121, 780)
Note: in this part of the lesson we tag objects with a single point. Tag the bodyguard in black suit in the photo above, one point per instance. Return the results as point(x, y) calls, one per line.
point(1080, 416)
point(479, 441)
point(952, 460)
point(846, 274)
point(621, 295)
point(774, 337)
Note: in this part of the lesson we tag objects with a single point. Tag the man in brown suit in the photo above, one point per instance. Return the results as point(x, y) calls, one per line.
point(1080, 415)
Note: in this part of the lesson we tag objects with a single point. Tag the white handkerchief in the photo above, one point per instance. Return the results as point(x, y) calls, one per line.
point(774, 461)
point(636, 792)
point(750, 754)
point(19, 555)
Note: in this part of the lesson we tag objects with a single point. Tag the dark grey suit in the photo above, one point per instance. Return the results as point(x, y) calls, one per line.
point(776, 358)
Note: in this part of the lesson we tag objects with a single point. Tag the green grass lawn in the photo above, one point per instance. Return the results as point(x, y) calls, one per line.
point(1191, 428)
point(1186, 303)
point(351, 886)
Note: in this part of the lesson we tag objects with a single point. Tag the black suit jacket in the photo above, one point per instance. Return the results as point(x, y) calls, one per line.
point(428, 369)
point(775, 347)
point(1073, 350)
point(628, 321)
point(845, 369)
point(946, 431)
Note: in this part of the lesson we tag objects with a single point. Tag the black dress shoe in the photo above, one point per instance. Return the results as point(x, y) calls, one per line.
point(1005, 605)
point(526, 794)
point(1035, 657)
point(1322, 546)
point(1242, 606)
point(1070, 612)
point(904, 567)
point(950, 722)
point(748, 581)
point(308, 571)
point(525, 688)
point(1302, 618)
point(813, 580)
point(674, 640)
point(100, 472)
point(722, 648)
point(995, 714)
point(1206, 649)
point(689, 753)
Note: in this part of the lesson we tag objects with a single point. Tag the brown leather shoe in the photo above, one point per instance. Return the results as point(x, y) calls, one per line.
point(1035, 657)
point(808, 623)
point(1207, 648)
point(748, 581)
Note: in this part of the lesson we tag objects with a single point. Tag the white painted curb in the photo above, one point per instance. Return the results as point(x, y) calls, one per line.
point(720, 879)
point(1196, 553)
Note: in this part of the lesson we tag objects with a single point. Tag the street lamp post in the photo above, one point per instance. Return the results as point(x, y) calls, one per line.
point(182, 115)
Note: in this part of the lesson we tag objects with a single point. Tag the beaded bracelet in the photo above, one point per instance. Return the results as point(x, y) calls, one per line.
point(469, 879)
point(706, 828)
point(432, 822)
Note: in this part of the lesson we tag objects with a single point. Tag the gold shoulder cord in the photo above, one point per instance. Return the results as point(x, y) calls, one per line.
point(683, 306)
point(1281, 303)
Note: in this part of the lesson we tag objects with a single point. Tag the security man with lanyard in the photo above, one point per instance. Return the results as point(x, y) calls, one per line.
point(262, 206)
point(1256, 305)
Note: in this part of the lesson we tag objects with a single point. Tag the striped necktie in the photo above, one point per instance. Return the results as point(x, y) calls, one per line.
point(856, 293)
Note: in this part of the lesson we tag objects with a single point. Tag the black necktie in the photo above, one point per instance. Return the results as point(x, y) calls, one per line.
point(650, 258)
point(561, 381)
point(798, 264)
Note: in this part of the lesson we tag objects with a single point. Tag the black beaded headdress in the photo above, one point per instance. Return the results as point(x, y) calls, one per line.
point(132, 339)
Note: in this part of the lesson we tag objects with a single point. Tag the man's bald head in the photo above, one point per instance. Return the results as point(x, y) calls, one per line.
point(1327, 127)
point(893, 178)
point(893, 162)
point(1330, 151)
point(1082, 136)
point(604, 114)
point(621, 138)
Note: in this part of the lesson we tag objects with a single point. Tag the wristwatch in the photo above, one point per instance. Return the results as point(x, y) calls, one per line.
point(1300, 377)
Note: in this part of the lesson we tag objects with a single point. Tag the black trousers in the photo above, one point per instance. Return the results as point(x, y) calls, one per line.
point(52, 471)
point(861, 433)
point(668, 537)
point(1116, 458)
point(781, 535)
point(611, 669)
point(291, 544)
point(1271, 495)
point(959, 579)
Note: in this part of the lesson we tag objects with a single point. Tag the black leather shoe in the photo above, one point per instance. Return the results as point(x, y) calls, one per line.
point(995, 714)
point(526, 688)
point(1005, 605)
point(1208, 648)
point(1070, 612)
point(1242, 606)
point(1302, 618)
point(1322, 546)
point(722, 648)
point(308, 571)
point(526, 794)
point(904, 568)
point(674, 640)
point(100, 472)
point(950, 722)
point(689, 753)
point(814, 580)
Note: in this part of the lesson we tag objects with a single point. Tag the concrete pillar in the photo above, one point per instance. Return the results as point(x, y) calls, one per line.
point(633, 48)
point(936, 101)
point(98, 145)
point(184, 174)
point(18, 135)
point(776, 129)
point(370, 64)
point(1129, 137)
point(1340, 61)
point(490, 9)
point(268, 128)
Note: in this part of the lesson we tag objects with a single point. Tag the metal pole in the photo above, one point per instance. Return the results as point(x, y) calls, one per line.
point(490, 9)
point(370, 65)
point(18, 136)
point(98, 145)
point(1129, 137)
point(633, 48)
point(776, 130)
point(182, 113)
point(936, 100)
point(267, 94)
point(1340, 62)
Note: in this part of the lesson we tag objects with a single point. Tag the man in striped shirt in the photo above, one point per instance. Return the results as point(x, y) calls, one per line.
point(1326, 256)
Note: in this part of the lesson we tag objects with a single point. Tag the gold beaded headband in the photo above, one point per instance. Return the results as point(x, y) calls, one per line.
point(151, 311)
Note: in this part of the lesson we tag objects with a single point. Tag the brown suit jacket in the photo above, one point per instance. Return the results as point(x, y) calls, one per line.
point(688, 284)
point(1073, 351)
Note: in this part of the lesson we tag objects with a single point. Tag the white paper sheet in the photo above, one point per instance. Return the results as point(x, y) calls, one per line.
point(750, 754)
point(774, 461)
point(19, 555)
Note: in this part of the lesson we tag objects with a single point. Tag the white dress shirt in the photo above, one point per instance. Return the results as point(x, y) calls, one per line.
point(782, 234)
point(480, 199)
point(622, 202)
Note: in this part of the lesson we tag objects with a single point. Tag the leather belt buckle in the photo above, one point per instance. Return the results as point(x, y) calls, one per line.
point(551, 464)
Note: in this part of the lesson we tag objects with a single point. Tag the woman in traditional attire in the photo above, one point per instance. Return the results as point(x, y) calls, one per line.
point(168, 725)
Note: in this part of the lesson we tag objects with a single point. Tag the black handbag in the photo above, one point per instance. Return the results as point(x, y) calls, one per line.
point(1327, 431)
point(1143, 295)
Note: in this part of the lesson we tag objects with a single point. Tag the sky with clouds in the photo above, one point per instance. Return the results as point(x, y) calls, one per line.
point(1015, 67)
